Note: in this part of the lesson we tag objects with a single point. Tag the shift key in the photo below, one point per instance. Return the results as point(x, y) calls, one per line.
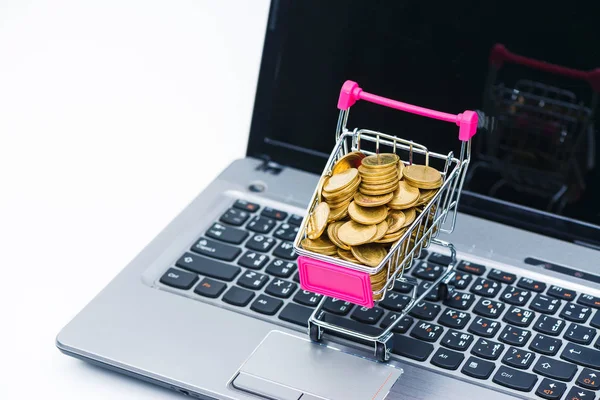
point(207, 267)
point(581, 355)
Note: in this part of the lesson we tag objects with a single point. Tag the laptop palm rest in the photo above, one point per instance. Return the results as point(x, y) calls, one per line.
point(287, 367)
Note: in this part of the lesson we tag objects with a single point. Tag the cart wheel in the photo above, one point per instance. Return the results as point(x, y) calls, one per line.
point(380, 352)
point(314, 332)
point(443, 292)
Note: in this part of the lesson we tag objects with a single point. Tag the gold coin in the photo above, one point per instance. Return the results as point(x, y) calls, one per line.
point(421, 185)
point(383, 186)
point(382, 160)
point(395, 221)
point(344, 203)
point(370, 181)
point(340, 194)
point(347, 255)
point(376, 173)
point(350, 160)
point(372, 201)
point(318, 221)
point(422, 174)
point(367, 215)
point(425, 195)
point(321, 245)
point(378, 192)
point(382, 228)
point(392, 237)
point(340, 181)
point(400, 169)
point(322, 182)
point(410, 215)
point(335, 214)
point(369, 254)
point(354, 234)
point(332, 233)
point(405, 196)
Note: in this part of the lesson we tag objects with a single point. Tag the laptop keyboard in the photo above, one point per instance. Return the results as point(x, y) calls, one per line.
point(498, 328)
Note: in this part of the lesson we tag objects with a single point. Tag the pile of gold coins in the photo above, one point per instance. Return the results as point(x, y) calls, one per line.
point(366, 206)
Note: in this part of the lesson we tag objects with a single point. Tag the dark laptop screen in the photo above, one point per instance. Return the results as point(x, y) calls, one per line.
point(543, 151)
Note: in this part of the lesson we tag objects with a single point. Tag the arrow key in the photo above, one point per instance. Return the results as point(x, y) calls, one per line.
point(589, 379)
point(447, 359)
point(550, 389)
point(580, 394)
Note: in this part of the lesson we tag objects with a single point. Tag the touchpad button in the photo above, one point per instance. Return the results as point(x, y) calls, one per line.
point(297, 368)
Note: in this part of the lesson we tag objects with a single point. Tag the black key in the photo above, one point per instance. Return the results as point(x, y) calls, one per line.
point(515, 379)
point(426, 287)
point(597, 345)
point(460, 300)
point(561, 293)
point(260, 243)
point(549, 325)
point(266, 305)
point(518, 358)
point(580, 394)
point(206, 266)
point(580, 334)
point(515, 296)
point(478, 368)
point(457, 340)
point(275, 214)
point(502, 276)
point(519, 316)
point(281, 288)
point(210, 288)
point(351, 325)
point(261, 224)
point(395, 301)
point(461, 280)
point(411, 348)
point(227, 233)
point(575, 312)
point(234, 217)
point(530, 284)
point(401, 327)
point(253, 280)
point(295, 220)
point(485, 287)
point(595, 322)
point(454, 319)
point(484, 327)
point(428, 271)
point(402, 287)
point(296, 277)
point(545, 345)
point(472, 268)
point(545, 304)
point(589, 300)
point(336, 306)
point(366, 315)
point(307, 298)
point(488, 308)
point(213, 249)
point(447, 359)
point(296, 314)
point(555, 369)
point(425, 310)
point(246, 206)
point(514, 336)
point(238, 296)
point(286, 232)
point(487, 349)
point(581, 355)
point(281, 268)
point(550, 389)
point(179, 279)
point(426, 331)
point(286, 251)
point(253, 260)
point(589, 379)
point(439, 258)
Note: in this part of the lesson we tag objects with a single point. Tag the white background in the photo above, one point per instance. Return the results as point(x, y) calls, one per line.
point(114, 114)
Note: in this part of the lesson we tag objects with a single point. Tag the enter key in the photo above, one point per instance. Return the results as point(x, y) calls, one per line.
point(581, 355)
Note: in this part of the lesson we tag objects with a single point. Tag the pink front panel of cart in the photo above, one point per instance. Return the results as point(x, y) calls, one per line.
point(335, 281)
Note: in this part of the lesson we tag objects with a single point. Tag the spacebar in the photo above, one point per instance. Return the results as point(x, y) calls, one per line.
point(352, 326)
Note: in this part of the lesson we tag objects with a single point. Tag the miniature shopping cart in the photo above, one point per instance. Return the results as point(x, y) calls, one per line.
point(543, 141)
point(351, 282)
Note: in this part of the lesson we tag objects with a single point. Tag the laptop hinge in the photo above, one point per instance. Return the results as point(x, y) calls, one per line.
point(268, 166)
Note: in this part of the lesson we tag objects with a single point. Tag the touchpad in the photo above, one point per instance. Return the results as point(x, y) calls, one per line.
point(286, 367)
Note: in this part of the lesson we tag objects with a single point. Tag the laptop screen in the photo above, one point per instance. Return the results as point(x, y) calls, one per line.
point(535, 167)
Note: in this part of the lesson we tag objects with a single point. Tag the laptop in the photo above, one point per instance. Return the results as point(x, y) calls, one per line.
point(212, 307)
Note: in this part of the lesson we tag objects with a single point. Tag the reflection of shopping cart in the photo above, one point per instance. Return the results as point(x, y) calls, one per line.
point(543, 140)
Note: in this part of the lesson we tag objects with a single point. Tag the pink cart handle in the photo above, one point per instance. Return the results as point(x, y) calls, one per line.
point(501, 54)
point(467, 121)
